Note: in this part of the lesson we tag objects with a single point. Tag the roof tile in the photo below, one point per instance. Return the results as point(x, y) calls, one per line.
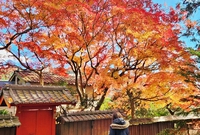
point(86, 115)
point(26, 94)
point(49, 78)
point(9, 121)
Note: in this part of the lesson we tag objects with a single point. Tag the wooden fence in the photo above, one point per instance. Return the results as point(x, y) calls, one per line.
point(98, 123)
point(101, 127)
point(85, 123)
point(8, 131)
point(91, 127)
point(149, 129)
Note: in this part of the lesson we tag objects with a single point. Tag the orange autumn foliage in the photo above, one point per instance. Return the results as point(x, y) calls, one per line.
point(115, 45)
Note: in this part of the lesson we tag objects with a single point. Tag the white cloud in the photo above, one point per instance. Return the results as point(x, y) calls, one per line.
point(5, 56)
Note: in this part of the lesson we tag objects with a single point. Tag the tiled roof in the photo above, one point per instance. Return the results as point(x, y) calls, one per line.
point(9, 121)
point(49, 78)
point(35, 94)
point(86, 115)
point(2, 83)
point(137, 121)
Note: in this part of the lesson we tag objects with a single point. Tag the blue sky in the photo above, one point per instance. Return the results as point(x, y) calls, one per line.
point(166, 4)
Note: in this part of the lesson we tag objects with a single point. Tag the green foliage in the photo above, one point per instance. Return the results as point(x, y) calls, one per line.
point(191, 6)
point(180, 131)
point(192, 33)
point(62, 83)
point(181, 112)
point(143, 112)
point(65, 84)
point(152, 111)
point(167, 131)
point(194, 52)
point(105, 105)
point(180, 128)
point(4, 112)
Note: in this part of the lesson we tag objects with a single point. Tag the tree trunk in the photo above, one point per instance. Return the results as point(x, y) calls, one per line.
point(132, 103)
point(41, 79)
point(101, 99)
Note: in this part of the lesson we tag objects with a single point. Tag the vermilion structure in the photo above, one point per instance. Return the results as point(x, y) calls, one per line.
point(36, 106)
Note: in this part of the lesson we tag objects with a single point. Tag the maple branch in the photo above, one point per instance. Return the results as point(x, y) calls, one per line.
point(22, 15)
point(156, 97)
point(26, 64)
point(89, 76)
point(169, 109)
point(17, 34)
point(14, 37)
point(38, 58)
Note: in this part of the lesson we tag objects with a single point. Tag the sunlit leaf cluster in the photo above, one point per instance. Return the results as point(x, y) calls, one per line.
point(129, 49)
